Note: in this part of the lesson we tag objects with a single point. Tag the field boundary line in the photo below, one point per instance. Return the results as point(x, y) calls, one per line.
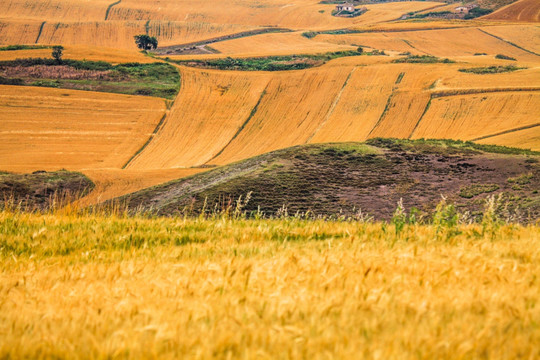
point(150, 138)
point(508, 42)
point(333, 105)
point(457, 92)
point(387, 106)
point(244, 124)
point(506, 132)
point(40, 31)
point(421, 117)
point(110, 7)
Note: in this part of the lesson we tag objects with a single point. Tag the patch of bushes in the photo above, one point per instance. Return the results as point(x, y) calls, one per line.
point(471, 191)
point(269, 63)
point(422, 59)
point(309, 34)
point(477, 12)
point(23, 47)
point(521, 180)
point(431, 14)
point(8, 81)
point(504, 57)
point(156, 79)
point(491, 69)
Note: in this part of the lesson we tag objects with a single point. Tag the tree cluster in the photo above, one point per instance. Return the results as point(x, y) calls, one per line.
point(145, 42)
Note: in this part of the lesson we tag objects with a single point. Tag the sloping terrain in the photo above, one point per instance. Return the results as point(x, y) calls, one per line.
point(39, 190)
point(344, 178)
point(50, 129)
point(523, 10)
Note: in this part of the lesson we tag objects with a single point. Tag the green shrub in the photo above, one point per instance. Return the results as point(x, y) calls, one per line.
point(504, 57)
point(491, 69)
point(477, 189)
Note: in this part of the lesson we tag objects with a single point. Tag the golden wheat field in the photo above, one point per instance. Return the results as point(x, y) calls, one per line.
point(114, 287)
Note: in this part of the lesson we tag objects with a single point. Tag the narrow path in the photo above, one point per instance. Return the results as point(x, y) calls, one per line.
point(508, 42)
point(415, 48)
point(40, 31)
point(251, 114)
point(507, 132)
point(110, 7)
point(457, 92)
point(333, 106)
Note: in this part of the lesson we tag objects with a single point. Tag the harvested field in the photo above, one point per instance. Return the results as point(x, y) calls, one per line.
point(277, 44)
point(468, 117)
point(523, 10)
point(525, 36)
point(527, 138)
point(50, 129)
point(210, 109)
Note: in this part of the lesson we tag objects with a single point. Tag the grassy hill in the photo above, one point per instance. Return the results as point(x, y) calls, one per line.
point(40, 189)
point(341, 179)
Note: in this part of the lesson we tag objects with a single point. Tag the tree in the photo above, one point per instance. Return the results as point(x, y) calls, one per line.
point(360, 50)
point(57, 53)
point(145, 42)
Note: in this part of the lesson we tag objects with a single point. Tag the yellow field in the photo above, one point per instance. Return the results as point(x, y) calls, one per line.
point(276, 44)
point(82, 53)
point(472, 116)
point(48, 129)
point(110, 287)
point(527, 138)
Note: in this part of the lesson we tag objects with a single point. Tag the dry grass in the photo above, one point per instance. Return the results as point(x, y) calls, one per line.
point(112, 287)
point(524, 10)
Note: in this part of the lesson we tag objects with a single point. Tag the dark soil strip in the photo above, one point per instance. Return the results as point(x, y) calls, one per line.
point(40, 31)
point(157, 128)
point(333, 106)
point(421, 117)
point(147, 27)
point(388, 102)
point(110, 7)
point(445, 93)
point(411, 45)
point(507, 132)
point(251, 114)
point(509, 43)
point(171, 50)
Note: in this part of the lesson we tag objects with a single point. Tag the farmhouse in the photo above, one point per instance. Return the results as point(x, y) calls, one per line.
point(345, 7)
point(465, 9)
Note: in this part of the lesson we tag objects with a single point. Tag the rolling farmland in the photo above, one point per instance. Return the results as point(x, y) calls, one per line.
point(250, 201)
point(222, 116)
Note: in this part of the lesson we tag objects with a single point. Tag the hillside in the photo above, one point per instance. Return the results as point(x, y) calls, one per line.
point(41, 189)
point(332, 179)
